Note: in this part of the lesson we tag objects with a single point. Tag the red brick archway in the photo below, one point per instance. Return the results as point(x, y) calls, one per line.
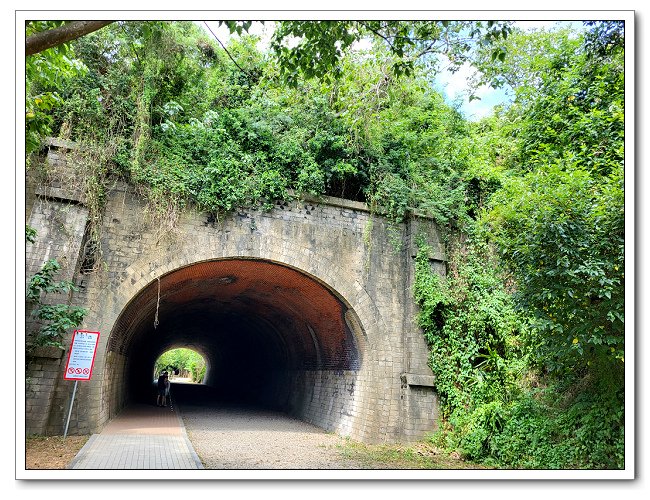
point(265, 329)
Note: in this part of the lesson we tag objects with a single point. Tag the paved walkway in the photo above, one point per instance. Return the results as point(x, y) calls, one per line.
point(140, 437)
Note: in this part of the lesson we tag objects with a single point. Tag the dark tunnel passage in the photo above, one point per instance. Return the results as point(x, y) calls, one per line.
point(269, 335)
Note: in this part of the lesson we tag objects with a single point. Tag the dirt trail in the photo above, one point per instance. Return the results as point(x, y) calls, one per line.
point(237, 438)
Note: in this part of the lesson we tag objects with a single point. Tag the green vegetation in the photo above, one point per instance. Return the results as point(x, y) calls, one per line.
point(398, 456)
point(526, 332)
point(46, 73)
point(318, 47)
point(183, 362)
point(55, 320)
point(187, 126)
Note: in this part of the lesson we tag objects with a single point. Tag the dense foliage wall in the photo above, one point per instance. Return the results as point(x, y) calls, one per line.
point(529, 329)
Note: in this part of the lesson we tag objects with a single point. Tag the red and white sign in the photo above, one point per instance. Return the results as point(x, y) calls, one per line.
point(81, 356)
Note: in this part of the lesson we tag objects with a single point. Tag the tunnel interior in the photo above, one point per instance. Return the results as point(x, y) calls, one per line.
point(266, 331)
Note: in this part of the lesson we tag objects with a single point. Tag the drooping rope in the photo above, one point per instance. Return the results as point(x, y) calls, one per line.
point(155, 321)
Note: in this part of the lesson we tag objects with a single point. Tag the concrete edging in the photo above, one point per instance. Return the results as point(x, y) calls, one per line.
point(82, 452)
point(195, 457)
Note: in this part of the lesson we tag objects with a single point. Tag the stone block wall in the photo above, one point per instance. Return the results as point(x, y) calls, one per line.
point(56, 212)
point(326, 398)
point(43, 371)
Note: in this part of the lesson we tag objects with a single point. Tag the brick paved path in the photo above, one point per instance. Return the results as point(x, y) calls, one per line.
point(140, 437)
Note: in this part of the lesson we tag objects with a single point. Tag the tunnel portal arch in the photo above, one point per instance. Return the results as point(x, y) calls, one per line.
point(373, 384)
point(271, 335)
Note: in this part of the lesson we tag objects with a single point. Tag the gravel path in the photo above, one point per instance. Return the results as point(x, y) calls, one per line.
point(242, 438)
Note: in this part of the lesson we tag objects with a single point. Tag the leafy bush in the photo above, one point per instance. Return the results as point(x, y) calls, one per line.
point(561, 230)
point(56, 319)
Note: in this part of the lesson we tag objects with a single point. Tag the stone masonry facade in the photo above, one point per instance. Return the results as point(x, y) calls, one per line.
point(356, 254)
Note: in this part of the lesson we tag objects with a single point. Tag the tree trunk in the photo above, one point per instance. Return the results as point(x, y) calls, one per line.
point(69, 31)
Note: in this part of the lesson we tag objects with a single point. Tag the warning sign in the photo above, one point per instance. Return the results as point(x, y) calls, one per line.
point(81, 356)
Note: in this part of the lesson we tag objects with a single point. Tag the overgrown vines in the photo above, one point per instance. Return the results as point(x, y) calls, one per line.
point(56, 319)
point(497, 407)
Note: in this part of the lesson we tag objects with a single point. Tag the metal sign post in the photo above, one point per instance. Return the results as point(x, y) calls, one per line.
point(80, 363)
point(67, 422)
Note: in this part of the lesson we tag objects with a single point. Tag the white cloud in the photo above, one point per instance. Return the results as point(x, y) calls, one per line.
point(454, 87)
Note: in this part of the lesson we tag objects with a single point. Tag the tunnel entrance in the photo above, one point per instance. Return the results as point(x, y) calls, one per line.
point(271, 335)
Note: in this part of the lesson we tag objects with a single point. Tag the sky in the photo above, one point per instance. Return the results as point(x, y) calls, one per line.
point(452, 85)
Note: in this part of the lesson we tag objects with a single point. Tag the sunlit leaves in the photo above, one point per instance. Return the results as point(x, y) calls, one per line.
point(315, 48)
point(471, 326)
point(569, 269)
point(238, 27)
point(45, 74)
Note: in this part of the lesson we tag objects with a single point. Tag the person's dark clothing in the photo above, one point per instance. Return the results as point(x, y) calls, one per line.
point(161, 385)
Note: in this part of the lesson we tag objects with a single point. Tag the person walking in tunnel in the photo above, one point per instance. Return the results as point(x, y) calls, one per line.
point(167, 387)
point(163, 389)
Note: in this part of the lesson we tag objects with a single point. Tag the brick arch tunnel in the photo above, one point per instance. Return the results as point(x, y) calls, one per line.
point(271, 335)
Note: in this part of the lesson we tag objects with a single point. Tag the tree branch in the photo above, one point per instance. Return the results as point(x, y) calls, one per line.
point(72, 30)
point(224, 48)
point(380, 35)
